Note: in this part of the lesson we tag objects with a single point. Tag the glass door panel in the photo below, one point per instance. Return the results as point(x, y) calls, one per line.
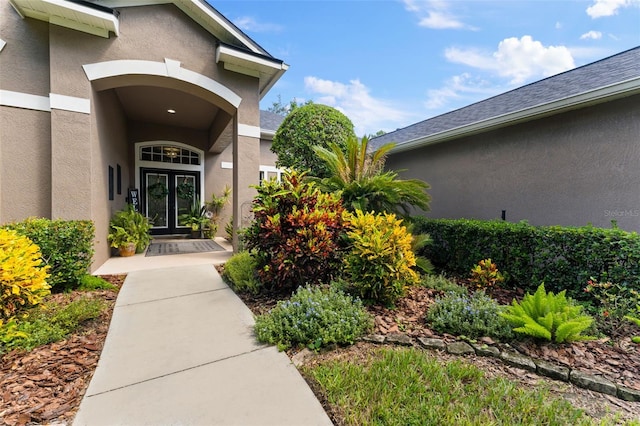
point(157, 199)
point(185, 196)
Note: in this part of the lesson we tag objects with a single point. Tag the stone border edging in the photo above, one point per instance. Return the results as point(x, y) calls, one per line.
point(515, 359)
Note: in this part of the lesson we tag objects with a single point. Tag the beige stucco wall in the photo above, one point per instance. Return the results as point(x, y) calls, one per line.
point(572, 169)
point(71, 151)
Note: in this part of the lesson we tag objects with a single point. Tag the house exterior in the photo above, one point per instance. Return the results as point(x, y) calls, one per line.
point(561, 151)
point(100, 97)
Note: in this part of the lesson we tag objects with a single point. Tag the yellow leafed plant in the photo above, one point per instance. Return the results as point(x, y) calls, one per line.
point(23, 276)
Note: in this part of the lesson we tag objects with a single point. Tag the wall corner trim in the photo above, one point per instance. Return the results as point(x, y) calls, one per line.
point(248, 130)
point(70, 103)
point(2, 44)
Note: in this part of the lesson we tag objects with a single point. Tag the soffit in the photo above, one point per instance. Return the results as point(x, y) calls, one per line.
point(70, 15)
point(150, 105)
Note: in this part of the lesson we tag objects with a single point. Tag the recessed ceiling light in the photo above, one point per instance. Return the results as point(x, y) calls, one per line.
point(171, 111)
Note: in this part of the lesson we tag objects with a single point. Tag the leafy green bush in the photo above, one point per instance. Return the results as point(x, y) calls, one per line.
point(562, 257)
point(305, 127)
point(613, 302)
point(443, 284)
point(380, 262)
point(314, 317)
point(548, 316)
point(91, 282)
point(49, 323)
point(66, 246)
point(475, 315)
point(23, 277)
point(240, 271)
point(296, 233)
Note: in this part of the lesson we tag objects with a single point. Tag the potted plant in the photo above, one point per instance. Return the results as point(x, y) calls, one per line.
point(130, 226)
point(214, 208)
point(122, 240)
point(196, 218)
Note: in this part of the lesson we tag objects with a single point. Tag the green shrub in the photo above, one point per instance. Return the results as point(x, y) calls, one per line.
point(563, 257)
point(240, 271)
point(296, 233)
point(305, 127)
point(380, 262)
point(314, 317)
point(548, 316)
point(486, 274)
point(91, 282)
point(23, 277)
point(443, 284)
point(475, 315)
point(66, 246)
point(49, 323)
point(613, 302)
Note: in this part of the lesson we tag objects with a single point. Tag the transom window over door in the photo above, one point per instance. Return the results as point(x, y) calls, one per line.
point(169, 154)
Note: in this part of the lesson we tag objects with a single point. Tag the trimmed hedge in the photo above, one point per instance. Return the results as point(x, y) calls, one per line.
point(66, 246)
point(564, 258)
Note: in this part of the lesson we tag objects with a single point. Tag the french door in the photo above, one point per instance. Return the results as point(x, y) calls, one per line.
point(166, 196)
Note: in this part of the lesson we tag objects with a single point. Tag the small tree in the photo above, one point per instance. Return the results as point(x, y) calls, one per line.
point(307, 126)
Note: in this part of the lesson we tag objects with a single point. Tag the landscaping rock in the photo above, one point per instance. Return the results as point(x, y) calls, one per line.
point(553, 371)
point(374, 338)
point(299, 358)
point(627, 394)
point(485, 350)
point(431, 343)
point(460, 348)
point(519, 361)
point(399, 339)
point(594, 383)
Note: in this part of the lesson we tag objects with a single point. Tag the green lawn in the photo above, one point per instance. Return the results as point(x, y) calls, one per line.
point(411, 387)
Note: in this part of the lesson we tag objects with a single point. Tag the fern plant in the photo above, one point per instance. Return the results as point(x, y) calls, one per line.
point(548, 316)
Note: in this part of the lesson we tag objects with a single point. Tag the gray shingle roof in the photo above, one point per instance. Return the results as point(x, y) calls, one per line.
point(614, 69)
point(270, 121)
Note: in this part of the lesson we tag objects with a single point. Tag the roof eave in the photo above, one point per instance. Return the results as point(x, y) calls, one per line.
point(69, 15)
point(585, 99)
point(268, 70)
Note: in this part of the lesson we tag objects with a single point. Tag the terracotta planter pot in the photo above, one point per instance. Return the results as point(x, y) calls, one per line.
point(126, 250)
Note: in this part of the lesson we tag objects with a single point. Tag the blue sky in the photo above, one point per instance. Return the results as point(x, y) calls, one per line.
point(387, 64)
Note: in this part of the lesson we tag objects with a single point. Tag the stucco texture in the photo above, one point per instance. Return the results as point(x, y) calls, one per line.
point(571, 169)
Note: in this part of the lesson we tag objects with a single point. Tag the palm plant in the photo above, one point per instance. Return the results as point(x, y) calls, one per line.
point(359, 175)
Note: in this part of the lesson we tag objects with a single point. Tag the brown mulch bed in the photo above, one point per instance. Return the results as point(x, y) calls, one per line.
point(617, 360)
point(46, 385)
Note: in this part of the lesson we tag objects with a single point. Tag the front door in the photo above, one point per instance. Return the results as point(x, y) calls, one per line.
point(166, 196)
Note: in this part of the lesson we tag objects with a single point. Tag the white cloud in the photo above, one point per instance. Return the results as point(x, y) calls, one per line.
point(601, 8)
point(459, 89)
point(248, 23)
point(593, 35)
point(434, 14)
point(367, 113)
point(518, 59)
point(558, 25)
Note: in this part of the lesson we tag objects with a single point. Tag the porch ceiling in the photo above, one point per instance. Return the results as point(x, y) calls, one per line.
point(151, 105)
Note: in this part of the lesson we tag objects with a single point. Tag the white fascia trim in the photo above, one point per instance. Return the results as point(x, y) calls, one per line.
point(70, 103)
point(617, 90)
point(169, 68)
point(267, 134)
point(247, 130)
point(2, 44)
point(24, 100)
point(225, 53)
point(262, 168)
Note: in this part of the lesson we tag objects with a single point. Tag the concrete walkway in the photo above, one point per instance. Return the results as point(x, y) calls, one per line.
point(180, 351)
